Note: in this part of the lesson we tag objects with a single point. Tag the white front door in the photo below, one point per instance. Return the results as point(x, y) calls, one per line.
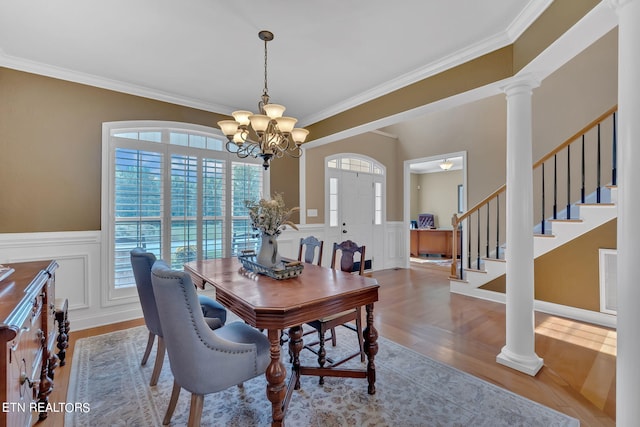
point(355, 205)
point(356, 215)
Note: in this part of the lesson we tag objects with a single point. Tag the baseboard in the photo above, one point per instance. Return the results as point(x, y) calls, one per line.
point(80, 321)
point(588, 316)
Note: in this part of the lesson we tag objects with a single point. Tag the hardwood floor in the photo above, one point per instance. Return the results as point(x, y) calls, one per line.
point(417, 310)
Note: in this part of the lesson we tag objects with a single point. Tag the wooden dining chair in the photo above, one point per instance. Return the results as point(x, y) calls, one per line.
point(308, 246)
point(347, 251)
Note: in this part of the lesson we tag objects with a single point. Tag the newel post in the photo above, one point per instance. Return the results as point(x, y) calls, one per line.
point(454, 248)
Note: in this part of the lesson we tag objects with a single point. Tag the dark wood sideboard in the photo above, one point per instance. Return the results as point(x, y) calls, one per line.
point(27, 332)
point(431, 241)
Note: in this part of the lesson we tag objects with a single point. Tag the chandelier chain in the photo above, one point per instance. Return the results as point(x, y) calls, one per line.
point(266, 89)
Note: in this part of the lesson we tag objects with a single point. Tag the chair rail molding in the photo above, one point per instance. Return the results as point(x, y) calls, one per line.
point(79, 255)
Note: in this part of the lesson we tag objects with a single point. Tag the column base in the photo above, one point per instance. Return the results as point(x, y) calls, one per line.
point(528, 364)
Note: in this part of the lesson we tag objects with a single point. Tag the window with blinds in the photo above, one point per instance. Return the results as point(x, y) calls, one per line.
point(137, 208)
point(176, 193)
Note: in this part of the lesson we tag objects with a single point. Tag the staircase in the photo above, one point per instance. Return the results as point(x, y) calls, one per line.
point(479, 245)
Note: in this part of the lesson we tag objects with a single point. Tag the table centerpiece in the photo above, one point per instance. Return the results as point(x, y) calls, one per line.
point(269, 217)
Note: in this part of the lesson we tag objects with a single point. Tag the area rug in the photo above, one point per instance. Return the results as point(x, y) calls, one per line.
point(412, 390)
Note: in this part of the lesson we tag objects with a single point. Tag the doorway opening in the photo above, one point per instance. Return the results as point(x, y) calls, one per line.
point(434, 190)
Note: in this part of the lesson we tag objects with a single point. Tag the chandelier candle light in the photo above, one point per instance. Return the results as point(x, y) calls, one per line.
point(276, 134)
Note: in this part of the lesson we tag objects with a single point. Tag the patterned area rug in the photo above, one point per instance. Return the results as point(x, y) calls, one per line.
point(412, 390)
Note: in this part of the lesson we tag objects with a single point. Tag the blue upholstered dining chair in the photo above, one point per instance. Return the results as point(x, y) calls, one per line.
point(202, 360)
point(141, 263)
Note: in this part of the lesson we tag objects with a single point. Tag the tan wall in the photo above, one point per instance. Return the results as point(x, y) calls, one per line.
point(575, 94)
point(51, 139)
point(569, 275)
point(285, 179)
point(565, 102)
point(478, 128)
point(438, 195)
point(51, 131)
point(379, 147)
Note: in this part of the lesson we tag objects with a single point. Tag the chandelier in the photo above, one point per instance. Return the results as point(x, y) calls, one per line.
point(267, 134)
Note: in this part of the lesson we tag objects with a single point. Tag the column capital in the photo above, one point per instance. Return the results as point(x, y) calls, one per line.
point(618, 4)
point(520, 84)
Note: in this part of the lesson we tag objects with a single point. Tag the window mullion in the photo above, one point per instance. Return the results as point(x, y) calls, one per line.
point(228, 211)
point(165, 215)
point(200, 208)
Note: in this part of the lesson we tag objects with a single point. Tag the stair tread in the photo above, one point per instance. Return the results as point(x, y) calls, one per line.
point(455, 279)
point(543, 235)
point(494, 259)
point(596, 204)
point(476, 270)
point(565, 220)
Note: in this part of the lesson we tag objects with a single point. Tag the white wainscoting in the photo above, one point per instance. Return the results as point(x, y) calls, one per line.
point(79, 277)
point(391, 249)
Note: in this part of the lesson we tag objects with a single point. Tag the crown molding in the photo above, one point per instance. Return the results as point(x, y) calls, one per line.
point(528, 15)
point(533, 10)
point(47, 70)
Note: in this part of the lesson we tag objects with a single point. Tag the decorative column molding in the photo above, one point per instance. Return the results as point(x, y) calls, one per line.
point(628, 348)
point(617, 4)
point(519, 352)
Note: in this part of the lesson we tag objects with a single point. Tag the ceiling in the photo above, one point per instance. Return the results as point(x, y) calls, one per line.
point(326, 57)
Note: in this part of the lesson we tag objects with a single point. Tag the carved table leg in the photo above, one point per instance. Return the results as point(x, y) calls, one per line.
point(276, 375)
point(371, 349)
point(46, 383)
point(322, 353)
point(295, 346)
point(63, 331)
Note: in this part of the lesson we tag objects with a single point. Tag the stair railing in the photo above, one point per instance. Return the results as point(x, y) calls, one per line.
point(479, 233)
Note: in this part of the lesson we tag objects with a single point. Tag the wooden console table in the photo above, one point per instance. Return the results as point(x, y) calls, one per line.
point(27, 332)
point(428, 241)
point(271, 304)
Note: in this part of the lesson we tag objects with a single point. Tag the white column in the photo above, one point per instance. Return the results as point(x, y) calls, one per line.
point(628, 356)
point(519, 352)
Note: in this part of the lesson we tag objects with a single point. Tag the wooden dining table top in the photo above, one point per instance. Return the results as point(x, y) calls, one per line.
point(264, 302)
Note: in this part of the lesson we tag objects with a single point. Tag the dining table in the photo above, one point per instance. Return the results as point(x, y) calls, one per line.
point(275, 305)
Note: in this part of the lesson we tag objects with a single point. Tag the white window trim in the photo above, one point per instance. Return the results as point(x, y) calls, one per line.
point(111, 296)
point(602, 253)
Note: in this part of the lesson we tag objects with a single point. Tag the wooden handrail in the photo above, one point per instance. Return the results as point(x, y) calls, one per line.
point(481, 204)
point(456, 220)
point(575, 136)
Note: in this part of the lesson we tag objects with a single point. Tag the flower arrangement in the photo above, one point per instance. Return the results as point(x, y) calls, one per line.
point(270, 216)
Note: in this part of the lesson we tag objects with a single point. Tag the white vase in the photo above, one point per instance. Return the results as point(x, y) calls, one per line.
point(268, 253)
